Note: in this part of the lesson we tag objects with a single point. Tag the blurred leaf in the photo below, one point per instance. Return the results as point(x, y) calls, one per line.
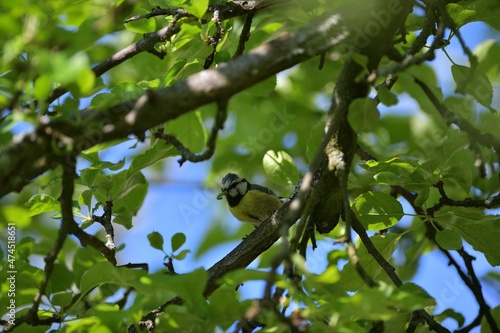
point(363, 114)
point(62, 299)
point(450, 313)
point(264, 87)
point(239, 276)
point(377, 210)
point(280, 168)
point(487, 53)
point(156, 240)
point(196, 7)
point(15, 214)
point(485, 326)
point(386, 97)
point(460, 15)
point(173, 71)
point(181, 255)
point(314, 140)
point(104, 145)
point(479, 86)
point(485, 10)
point(349, 278)
point(142, 26)
point(42, 203)
point(43, 86)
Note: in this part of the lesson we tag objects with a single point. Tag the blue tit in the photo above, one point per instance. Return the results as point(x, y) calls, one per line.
point(249, 203)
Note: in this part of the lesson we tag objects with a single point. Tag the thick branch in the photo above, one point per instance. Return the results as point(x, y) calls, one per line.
point(226, 11)
point(32, 154)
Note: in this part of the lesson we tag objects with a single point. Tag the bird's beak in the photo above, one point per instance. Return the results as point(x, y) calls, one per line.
point(221, 194)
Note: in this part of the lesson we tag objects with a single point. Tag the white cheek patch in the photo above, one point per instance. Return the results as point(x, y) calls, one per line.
point(233, 192)
point(242, 187)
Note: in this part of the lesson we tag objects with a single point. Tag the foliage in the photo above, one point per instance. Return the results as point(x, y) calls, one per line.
point(203, 81)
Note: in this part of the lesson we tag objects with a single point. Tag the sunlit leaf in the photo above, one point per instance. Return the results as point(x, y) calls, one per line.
point(280, 168)
point(377, 210)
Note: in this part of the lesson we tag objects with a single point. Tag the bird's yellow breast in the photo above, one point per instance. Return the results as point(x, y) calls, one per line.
point(255, 207)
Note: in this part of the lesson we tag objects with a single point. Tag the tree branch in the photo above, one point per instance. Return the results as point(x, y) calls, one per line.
point(186, 154)
point(489, 203)
point(32, 153)
point(226, 10)
point(487, 140)
point(244, 35)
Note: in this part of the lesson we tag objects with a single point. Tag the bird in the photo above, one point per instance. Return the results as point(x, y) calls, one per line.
point(250, 203)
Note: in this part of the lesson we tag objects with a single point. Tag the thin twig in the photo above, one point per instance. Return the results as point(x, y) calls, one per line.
point(489, 203)
point(477, 291)
point(487, 140)
point(186, 154)
point(244, 35)
point(349, 220)
point(157, 11)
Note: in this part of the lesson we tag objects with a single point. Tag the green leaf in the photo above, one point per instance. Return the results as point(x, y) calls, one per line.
point(196, 7)
point(386, 97)
point(104, 272)
point(450, 313)
point(156, 240)
point(43, 86)
point(485, 326)
point(449, 239)
point(479, 230)
point(181, 255)
point(14, 214)
point(415, 296)
point(123, 216)
point(61, 299)
point(377, 210)
point(173, 71)
point(42, 203)
point(314, 140)
point(177, 241)
point(159, 151)
point(104, 145)
point(100, 165)
point(123, 186)
point(280, 168)
point(488, 53)
point(189, 130)
point(143, 25)
point(363, 114)
point(239, 276)
point(487, 11)
point(349, 277)
point(460, 15)
point(479, 86)
point(399, 171)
